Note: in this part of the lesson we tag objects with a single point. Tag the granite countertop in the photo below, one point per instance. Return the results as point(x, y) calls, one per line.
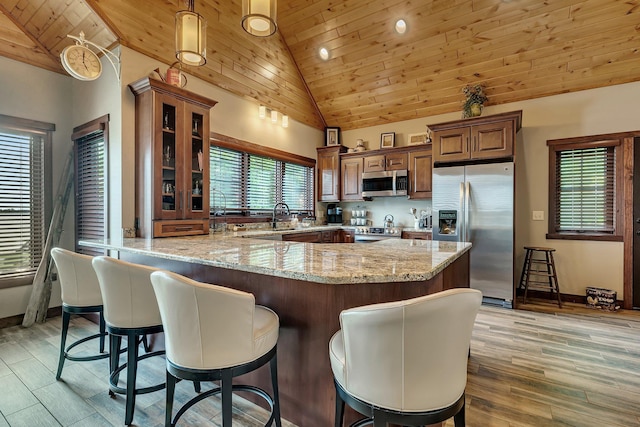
point(390, 260)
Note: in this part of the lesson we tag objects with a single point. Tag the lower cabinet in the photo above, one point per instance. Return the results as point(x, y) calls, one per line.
point(417, 235)
point(307, 237)
point(328, 236)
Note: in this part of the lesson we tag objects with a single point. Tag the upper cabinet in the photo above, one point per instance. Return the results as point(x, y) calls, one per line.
point(172, 172)
point(329, 173)
point(480, 138)
point(385, 162)
point(351, 171)
point(420, 168)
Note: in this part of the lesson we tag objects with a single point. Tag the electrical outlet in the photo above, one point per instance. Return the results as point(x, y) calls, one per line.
point(538, 215)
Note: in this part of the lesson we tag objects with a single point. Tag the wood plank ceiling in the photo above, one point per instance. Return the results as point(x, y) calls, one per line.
point(520, 49)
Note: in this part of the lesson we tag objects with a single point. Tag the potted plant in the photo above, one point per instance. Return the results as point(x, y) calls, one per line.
point(474, 102)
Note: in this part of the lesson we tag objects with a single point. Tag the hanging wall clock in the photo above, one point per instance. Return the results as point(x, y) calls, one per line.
point(81, 62)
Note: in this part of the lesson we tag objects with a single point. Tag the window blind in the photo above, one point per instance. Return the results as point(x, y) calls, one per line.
point(254, 184)
point(22, 205)
point(90, 190)
point(585, 190)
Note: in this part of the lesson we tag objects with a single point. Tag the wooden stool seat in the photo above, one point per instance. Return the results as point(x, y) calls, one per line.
point(539, 273)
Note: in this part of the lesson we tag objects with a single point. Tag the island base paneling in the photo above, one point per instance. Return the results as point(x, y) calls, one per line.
point(309, 316)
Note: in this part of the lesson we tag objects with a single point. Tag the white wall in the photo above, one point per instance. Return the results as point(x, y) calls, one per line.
point(597, 111)
point(32, 93)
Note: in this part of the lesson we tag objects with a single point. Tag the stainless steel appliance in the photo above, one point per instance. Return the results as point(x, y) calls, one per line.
point(475, 203)
point(385, 183)
point(375, 234)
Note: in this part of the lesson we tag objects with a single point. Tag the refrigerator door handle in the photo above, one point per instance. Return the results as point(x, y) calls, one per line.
point(461, 224)
point(467, 213)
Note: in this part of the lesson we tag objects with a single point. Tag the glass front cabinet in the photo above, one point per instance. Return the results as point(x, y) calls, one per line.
point(172, 168)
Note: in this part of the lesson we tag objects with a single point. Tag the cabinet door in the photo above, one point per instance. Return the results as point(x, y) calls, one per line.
point(451, 144)
point(167, 151)
point(416, 235)
point(396, 161)
point(352, 178)
point(420, 169)
point(374, 163)
point(492, 140)
point(328, 175)
point(308, 237)
point(196, 191)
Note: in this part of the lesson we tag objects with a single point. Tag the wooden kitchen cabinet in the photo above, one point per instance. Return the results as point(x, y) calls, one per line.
point(329, 173)
point(417, 235)
point(306, 237)
point(420, 170)
point(385, 162)
point(351, 176)
point(172, 171)
point(480, 138)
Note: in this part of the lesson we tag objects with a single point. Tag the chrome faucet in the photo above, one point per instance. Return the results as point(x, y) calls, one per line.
point(223, 225)
point(273, 218)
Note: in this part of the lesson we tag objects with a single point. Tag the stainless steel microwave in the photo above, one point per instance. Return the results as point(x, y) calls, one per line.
point(385, 183)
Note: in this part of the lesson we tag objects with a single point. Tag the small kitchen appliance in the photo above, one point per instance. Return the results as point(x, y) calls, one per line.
point(334, 214)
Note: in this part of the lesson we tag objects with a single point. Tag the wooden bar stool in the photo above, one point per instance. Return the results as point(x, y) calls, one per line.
point(539, 273)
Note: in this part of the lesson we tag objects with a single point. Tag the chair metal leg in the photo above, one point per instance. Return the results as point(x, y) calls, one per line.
point(459, 418)
point(197, 387)
point(276, 396)
point(115, 341)
point(339, 411)
point(171, 386)
point(102, 331)
point(226, 384)
point(132, 367)
point(63, 341)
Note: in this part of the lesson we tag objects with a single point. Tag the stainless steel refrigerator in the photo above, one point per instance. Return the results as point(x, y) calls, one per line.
point(475, 203)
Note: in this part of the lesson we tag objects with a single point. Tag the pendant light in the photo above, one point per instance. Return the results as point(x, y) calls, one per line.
point(259, 17)
point(191, 36)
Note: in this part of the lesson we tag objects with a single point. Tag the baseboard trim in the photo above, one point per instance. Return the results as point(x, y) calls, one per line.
point(17, 320)
point(578, 299)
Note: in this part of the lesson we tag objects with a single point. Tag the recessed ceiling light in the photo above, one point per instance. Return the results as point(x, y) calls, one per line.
point(324, 53)
point(401, 26)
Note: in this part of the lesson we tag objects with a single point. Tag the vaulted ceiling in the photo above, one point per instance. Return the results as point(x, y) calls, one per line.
point(520, 49)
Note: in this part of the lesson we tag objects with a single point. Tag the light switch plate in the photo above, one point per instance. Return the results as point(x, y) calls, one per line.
point(538, 215)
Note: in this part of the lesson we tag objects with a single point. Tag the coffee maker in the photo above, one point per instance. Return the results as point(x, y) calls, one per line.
point(334, 214)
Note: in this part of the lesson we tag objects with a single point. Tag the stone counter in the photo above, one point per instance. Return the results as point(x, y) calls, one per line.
point(390, 260)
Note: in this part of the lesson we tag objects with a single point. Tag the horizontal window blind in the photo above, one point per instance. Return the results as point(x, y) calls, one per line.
point(22, 212)
point(90, 190)
point(254, 184)
point(585, 190)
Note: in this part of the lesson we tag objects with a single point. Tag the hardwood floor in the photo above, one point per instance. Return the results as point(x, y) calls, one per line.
point(537, 366)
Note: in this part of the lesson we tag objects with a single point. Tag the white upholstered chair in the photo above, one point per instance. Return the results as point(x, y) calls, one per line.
point(80, 295)
point(405, 362)
point(131, 311)
point(215, 333)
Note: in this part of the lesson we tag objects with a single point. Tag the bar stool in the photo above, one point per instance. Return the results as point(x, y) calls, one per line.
point(539, 272)
point(80, 295)
point(405, 362)
point(131, 311)
point(215, 333)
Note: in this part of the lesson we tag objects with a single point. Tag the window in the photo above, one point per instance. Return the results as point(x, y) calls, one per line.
point(585, 188)
point(90, 141)
point(253, 183)
point(25, 197)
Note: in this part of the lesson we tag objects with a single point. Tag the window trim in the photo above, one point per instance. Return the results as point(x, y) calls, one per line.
point(46, 130)
point(231, 143)
point(593, 141)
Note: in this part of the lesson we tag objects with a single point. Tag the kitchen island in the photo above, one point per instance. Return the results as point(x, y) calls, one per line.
point(307, 285)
